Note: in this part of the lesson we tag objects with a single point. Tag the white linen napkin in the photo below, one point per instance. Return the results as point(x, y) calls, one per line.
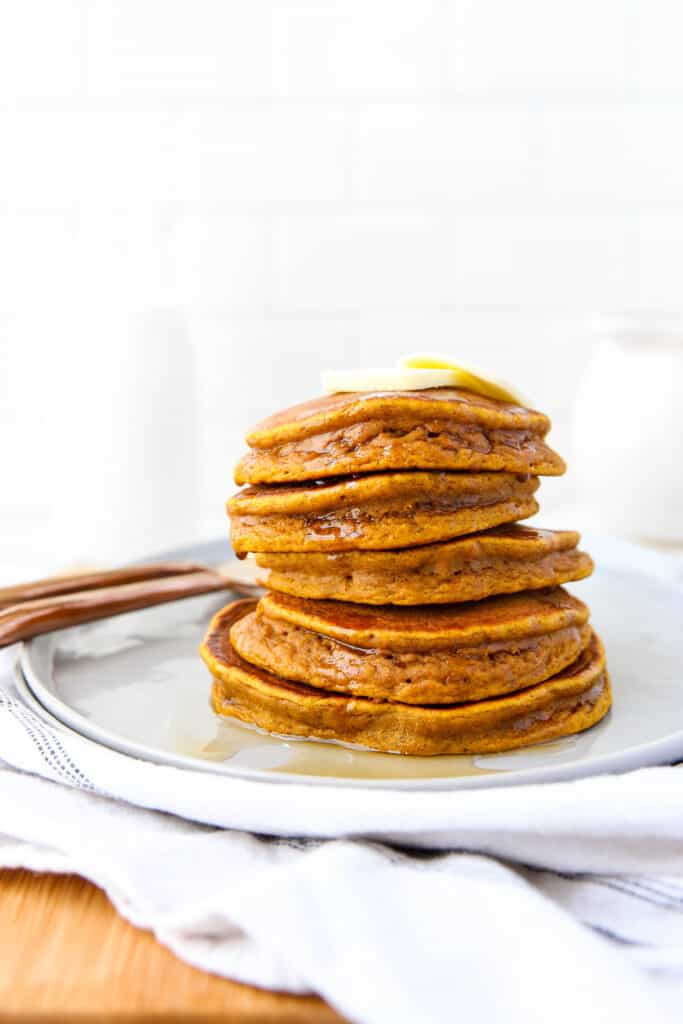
point(515, 904)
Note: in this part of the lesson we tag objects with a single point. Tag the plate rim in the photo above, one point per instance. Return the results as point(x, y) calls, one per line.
point(665, 750)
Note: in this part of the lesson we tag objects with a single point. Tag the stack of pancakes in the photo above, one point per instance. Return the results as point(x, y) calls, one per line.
point(404, 613)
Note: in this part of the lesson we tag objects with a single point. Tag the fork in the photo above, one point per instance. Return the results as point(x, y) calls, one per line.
point(29, 609)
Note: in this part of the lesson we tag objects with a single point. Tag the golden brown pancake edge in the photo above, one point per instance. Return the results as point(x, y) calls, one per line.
point(378, 511)
point(342, 408)
point(444, 676)
point(568, 703)
point(442, 428)
point(505, 617)
point(502, 560)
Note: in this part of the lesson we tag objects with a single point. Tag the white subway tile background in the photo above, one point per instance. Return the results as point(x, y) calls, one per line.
point(203, 204)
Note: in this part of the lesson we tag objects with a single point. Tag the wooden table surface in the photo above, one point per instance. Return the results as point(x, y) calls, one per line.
point(65, 952)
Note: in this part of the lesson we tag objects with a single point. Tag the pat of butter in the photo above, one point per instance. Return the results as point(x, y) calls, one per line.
point(389, 379)
point(470, 379)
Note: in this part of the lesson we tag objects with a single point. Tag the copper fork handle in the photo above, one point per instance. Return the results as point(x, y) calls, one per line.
point(93, 580)
point(26, 619)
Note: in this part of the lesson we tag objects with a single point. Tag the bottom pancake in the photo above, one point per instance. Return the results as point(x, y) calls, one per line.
point(568, 703)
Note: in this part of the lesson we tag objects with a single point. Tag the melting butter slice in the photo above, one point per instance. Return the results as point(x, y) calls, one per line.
point(471, 380)
point(390, 379)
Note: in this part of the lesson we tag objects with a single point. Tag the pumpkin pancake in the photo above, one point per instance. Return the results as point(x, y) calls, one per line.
point(569, 702)
point(438, 428)
point(503, 560)
point(383, 510)
point(463, 652)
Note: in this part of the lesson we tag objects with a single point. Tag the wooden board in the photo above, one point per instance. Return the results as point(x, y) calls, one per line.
point(64, 951)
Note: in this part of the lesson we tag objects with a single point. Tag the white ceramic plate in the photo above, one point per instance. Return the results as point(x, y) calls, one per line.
point(137, 684)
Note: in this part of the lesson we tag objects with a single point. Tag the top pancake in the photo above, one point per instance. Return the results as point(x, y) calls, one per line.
point(438, 428)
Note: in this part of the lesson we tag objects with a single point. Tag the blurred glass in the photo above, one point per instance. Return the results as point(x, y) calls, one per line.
point(123, 437)
point(628, 428)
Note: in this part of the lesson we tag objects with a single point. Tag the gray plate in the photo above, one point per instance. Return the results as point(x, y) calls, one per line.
point(136, 683)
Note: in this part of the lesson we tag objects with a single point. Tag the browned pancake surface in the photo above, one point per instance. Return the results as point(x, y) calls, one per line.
point(502, 560)
point(424, 628)
point(521, 643)
point(376, 512)
point(569, 702)
point(439, 428)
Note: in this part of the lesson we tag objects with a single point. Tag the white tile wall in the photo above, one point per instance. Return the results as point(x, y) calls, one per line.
point(42, 51)
point(657, 245)
point(654, 154)
point(536, 48)
point(585, 159)
point(289, 184)
point(565, 260)
point(657, 29)
point(162, 51)
point(222, 260)
point(442, 155)
point(39, 258)
point(354, 49)
point(363, 260)
point(256, 156)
